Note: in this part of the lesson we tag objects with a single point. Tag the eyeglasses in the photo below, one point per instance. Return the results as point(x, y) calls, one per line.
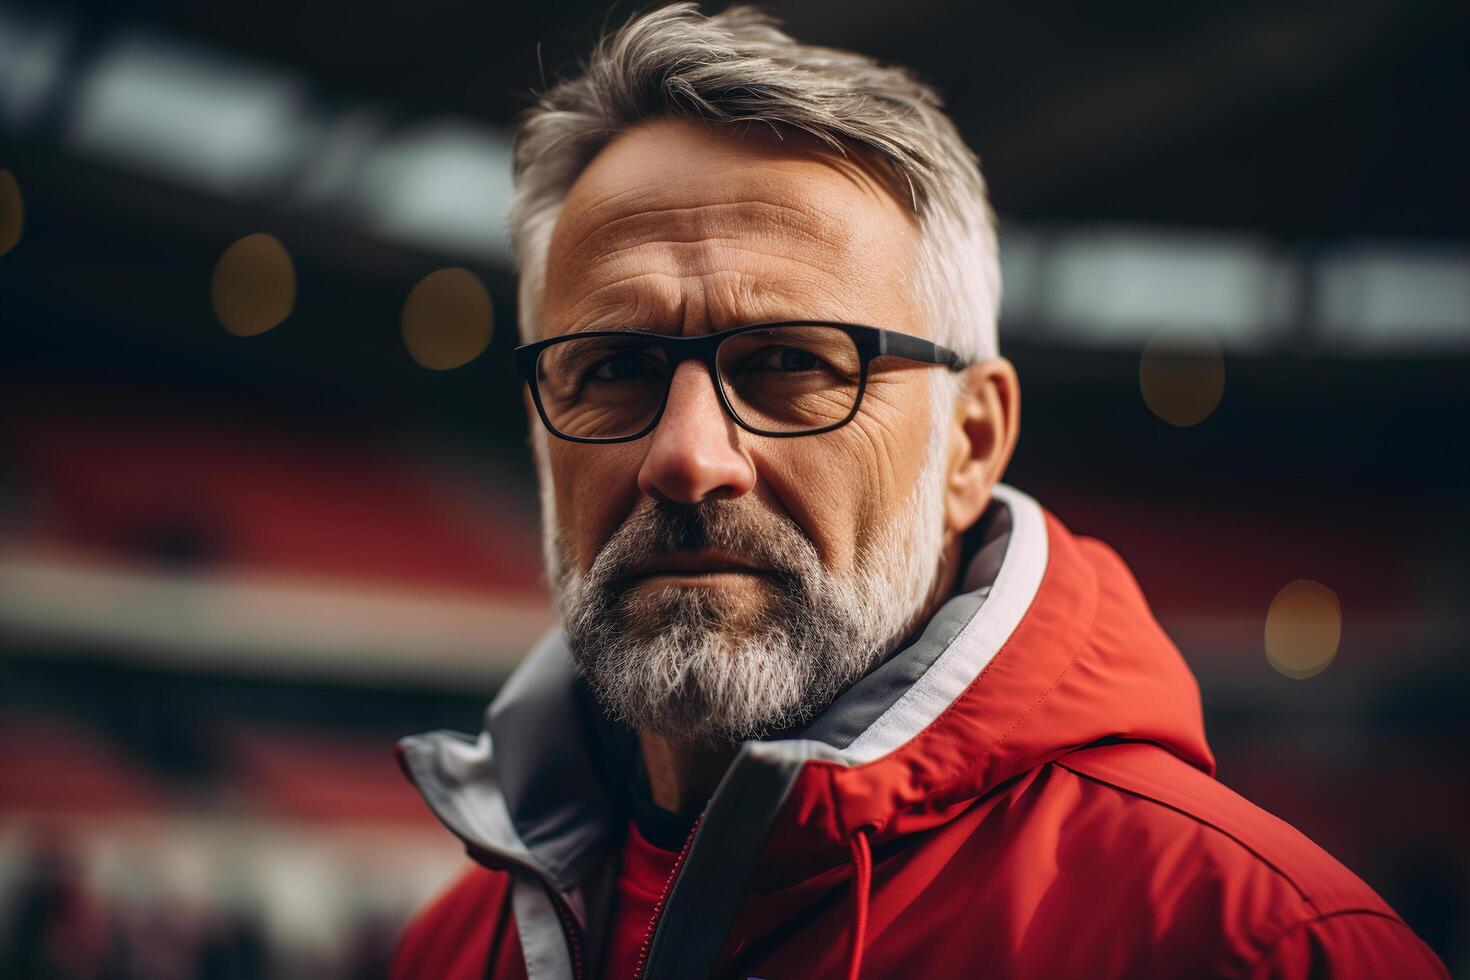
point(795, 378)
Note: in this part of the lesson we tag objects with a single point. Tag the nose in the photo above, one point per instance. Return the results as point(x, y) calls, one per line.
point(693, 455)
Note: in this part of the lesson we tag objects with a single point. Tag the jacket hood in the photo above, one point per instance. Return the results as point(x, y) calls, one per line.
point(1047, 646)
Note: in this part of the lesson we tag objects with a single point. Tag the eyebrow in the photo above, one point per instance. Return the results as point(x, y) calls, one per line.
point(620, 316)
point(629, 327)
point(622, 326)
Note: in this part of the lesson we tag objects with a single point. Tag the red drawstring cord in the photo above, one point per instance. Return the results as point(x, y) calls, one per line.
point(862, 883)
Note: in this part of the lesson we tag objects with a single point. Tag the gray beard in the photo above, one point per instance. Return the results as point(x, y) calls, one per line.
point(702, 665)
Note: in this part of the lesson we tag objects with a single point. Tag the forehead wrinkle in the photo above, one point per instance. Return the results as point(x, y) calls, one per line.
point(810, 223)
point(655, 300)
point(692, 251)
point(708, 256)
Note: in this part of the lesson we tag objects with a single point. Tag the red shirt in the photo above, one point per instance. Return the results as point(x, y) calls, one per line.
point(642, 877)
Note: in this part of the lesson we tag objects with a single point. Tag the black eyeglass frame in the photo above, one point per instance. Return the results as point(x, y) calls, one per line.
point(871, 343)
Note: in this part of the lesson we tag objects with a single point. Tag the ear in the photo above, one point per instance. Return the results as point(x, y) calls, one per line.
point(987, 420)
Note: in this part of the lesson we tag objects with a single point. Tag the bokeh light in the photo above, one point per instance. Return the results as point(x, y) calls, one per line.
point(1182, 375)
point(254, 285)
point(12, 212)
point(1303, 629)
point(447, 319)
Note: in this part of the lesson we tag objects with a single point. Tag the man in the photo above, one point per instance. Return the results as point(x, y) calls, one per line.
point(827, 698)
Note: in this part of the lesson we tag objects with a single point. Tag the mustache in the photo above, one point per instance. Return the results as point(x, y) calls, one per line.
point(741, 526)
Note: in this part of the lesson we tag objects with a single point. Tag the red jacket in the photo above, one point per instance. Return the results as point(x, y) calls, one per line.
point(1024, 791)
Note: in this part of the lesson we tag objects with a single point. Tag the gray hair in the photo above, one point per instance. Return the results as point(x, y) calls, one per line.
point(739, 67)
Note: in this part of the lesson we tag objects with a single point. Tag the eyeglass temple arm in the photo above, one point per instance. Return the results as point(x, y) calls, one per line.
point(914, 348)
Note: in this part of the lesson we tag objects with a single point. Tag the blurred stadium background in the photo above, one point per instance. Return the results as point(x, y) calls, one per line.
point(266, 503)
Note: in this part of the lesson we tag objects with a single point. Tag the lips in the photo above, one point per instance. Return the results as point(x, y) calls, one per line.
point(694, 563)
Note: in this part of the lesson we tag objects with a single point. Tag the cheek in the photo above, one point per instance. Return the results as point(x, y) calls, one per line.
point(595, 488)
point(888, 443)
point(819, 484)
point(844, 486)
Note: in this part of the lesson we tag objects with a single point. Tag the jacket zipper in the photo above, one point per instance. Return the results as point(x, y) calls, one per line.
point(658, 908)
point(573, 933)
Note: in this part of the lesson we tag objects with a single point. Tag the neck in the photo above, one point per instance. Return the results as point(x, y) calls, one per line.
point(683, 775)
point(946, 579)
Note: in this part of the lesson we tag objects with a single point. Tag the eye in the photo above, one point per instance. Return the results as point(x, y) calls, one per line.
point(785, 359)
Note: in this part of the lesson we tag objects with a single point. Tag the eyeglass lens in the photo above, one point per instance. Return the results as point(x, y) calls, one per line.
point(787, 379)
